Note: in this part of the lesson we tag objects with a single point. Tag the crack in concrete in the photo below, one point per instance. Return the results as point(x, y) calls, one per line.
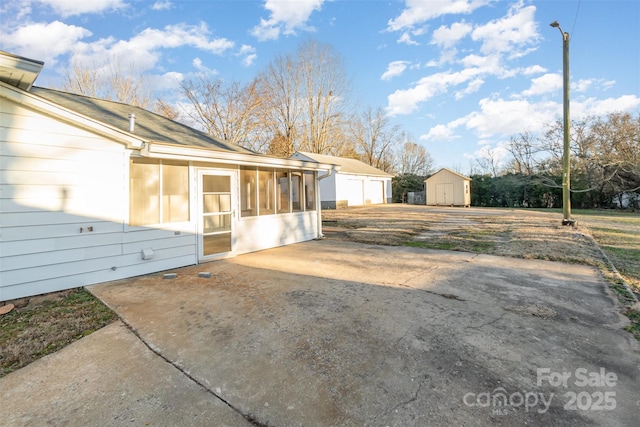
point(401, 404)
point(440, 294)
point(251, 419)
point(491, 322)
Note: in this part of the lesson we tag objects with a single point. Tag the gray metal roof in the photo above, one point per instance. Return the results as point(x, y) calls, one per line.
point(350, 166)
point(148, 125)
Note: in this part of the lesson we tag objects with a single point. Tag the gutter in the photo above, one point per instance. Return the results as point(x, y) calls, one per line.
point(318, 199)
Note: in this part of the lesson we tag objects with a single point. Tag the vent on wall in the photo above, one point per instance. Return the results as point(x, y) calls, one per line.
point(147, 253)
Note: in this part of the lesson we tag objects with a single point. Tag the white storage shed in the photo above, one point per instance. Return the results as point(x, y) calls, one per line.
point(448, 188)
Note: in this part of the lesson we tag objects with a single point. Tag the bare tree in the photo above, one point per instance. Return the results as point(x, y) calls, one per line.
point(166, 110)
point(112, 82)
point(226, 111)
point(414, 159)
point(489, 161)
point(324, 91)
point(524, 149)
point(304, 100)
point(279, 91)
point(374, 137)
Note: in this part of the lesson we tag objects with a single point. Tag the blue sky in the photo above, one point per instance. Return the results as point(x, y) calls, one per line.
point(461, 76)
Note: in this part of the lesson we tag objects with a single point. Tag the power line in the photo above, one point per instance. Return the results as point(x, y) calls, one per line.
point(574, 20)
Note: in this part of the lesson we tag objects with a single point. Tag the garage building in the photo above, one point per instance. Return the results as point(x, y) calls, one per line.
point(353, 183)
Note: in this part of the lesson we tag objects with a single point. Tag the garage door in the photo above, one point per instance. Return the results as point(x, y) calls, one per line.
point(356, 192)
point(377, 192)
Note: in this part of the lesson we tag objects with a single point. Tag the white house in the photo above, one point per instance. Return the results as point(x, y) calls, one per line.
point(93, 190)
point(353, 183)
point(448, 188)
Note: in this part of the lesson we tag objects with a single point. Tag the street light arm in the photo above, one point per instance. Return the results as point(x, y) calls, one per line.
point(555, 24)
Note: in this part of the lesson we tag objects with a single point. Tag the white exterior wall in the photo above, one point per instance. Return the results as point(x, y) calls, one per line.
point(446, 188)
point(341, 190)
point(328, 188)
point(64, 209)
point(268, 231)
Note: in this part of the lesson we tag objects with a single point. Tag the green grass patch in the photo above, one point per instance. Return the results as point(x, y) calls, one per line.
point(41, 328)
point(634, 327)
point(447, 246)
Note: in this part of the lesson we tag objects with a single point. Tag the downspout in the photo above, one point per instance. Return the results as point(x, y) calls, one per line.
point(319, 203)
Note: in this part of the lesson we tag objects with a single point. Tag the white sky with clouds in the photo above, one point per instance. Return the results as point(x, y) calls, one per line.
point(461, 76)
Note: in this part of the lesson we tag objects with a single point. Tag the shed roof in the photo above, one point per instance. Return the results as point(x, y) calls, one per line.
point(148, 125)
point(349, 166)
point(452, 172)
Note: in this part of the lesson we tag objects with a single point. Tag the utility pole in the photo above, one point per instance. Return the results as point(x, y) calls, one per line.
point(566, 165)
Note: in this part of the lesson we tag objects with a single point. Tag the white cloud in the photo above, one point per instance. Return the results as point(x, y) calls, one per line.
point(406, 39)
point(507, 34)
point(489, 64)
point(143, 51)
point(534, 69)
point(420, 11)
point(472, 87)
point(44, 42)
point(162, 5)
point(440, 133)
point(286, 16)
point(248, 53)
point(544, 84)
point(499, 118)
point(405, 101)
point(78, 7)
point(198, 65)
point(583, 85)
point(395, 69)
point(509, 117)
point(166, 82)
point(447, 37)
point(601, 107)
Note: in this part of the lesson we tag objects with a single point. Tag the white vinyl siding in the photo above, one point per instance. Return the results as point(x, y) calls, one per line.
point(65, 202)
point(63, 210)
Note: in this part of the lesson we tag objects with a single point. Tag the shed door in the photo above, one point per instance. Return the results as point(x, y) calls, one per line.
point(215, 236)
point(444, 194)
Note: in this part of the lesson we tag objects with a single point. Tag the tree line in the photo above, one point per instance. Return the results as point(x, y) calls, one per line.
point(604, 166)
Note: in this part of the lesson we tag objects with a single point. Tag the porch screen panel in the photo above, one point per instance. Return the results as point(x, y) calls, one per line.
point(266, 199)
point(310, 191)
point(144, 191)
point(283, 194)
point(297, 192)
point(175, 193)
point(248, 192)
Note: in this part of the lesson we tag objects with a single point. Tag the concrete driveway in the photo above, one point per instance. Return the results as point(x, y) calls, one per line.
point(339, 333)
